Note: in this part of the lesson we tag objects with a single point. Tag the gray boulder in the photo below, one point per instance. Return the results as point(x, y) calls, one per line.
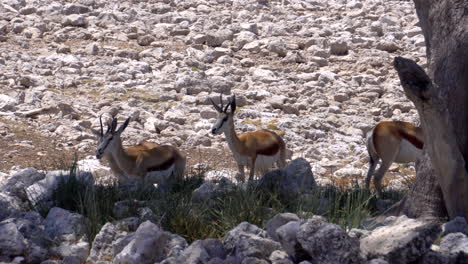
point(12, 242)
point(110, 240)
point(433, 257)
point(75, 20)
point(42, 190)
point(277, 46)
point(241, 229)
point(455, 246)
point(458, 224)
point(339, 47)
point(209, 189)
point(9, 205)
point(294, 179)
point(287, 236)
point(20, 181)
point(23, 235)
point(67, 229)
point(149, 244)
point(63, 225)
point(328, 243)
point(250, 245)
point(70, 9)
point(202, 251)
point(101, 250)
point(280, 257)
point(216, 38)
point(277, 221)
point(247, 241)
point(73, 252)
point(403, 240)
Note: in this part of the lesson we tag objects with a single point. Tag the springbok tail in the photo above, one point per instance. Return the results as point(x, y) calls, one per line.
point(372, 160)
point(282, 158)
point(179, 168)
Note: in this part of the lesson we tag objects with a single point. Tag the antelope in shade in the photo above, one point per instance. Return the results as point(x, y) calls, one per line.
point(392, 141)
point(139, 160)
point(258, 150)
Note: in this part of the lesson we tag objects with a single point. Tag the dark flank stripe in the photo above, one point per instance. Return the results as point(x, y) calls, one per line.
point(270, 150)
point(163, 166)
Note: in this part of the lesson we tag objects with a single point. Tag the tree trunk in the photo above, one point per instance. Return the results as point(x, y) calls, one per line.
point(441, 101)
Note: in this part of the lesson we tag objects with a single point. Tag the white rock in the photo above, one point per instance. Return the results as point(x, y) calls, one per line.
point(401, 238)
point(176, 116)
point(75, 20)
point(263, 75)
point(63, 225)
point(245, 37)
point(147, 238)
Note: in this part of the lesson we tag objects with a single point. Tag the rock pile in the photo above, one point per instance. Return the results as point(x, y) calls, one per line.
point(317, 72)
point(135, 236)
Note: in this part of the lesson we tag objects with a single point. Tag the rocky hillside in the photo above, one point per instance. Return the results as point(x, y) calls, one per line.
point(317, 72)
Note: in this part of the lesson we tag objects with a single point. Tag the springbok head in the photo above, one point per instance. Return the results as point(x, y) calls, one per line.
point(107, 142)
point(224, 117)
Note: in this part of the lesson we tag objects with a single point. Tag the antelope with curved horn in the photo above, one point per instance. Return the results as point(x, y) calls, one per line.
point(392, 141)
point(138, 160)
point(258, 150)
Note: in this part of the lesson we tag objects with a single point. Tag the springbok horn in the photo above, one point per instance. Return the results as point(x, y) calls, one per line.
point(225, 108)
point(221, 100)
point(100, 122)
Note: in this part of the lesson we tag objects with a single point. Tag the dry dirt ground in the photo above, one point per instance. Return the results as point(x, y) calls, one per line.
point(23, 147)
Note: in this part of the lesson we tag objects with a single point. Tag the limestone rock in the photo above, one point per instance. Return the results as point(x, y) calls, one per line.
point(401, 241)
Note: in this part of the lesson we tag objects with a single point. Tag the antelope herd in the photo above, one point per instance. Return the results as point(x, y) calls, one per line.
point(388, 142)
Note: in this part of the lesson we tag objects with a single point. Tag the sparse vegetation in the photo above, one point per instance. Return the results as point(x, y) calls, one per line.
point(275, 128)
point(256, 123)
point(92, 83)
point(178, 213)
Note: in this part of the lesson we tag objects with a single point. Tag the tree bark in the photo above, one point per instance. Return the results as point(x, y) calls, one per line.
point(441, 99)
point(425, 196)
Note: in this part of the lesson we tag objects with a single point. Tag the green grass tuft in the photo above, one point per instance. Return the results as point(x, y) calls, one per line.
point(179, 214)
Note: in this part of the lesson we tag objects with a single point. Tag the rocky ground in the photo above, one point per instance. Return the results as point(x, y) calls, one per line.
point(135, 236)
point(317, 72)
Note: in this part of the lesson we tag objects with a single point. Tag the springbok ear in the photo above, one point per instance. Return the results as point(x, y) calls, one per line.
point(215, 105)
point(123, 126)
point(232, 102)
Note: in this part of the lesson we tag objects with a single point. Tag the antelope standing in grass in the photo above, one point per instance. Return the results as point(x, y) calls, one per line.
point(136, 161)
point(392, 141)
point(258, 150)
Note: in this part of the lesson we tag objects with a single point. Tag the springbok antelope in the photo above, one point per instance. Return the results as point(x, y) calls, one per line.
point(136, 161)
point(258, 150)
point(392, 141)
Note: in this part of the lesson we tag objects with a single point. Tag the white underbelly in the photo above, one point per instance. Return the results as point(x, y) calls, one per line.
point(407, 153)
point(262, 163)
point(159, 177)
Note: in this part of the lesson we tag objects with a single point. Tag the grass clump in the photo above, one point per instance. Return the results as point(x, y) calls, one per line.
point(178, 213)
